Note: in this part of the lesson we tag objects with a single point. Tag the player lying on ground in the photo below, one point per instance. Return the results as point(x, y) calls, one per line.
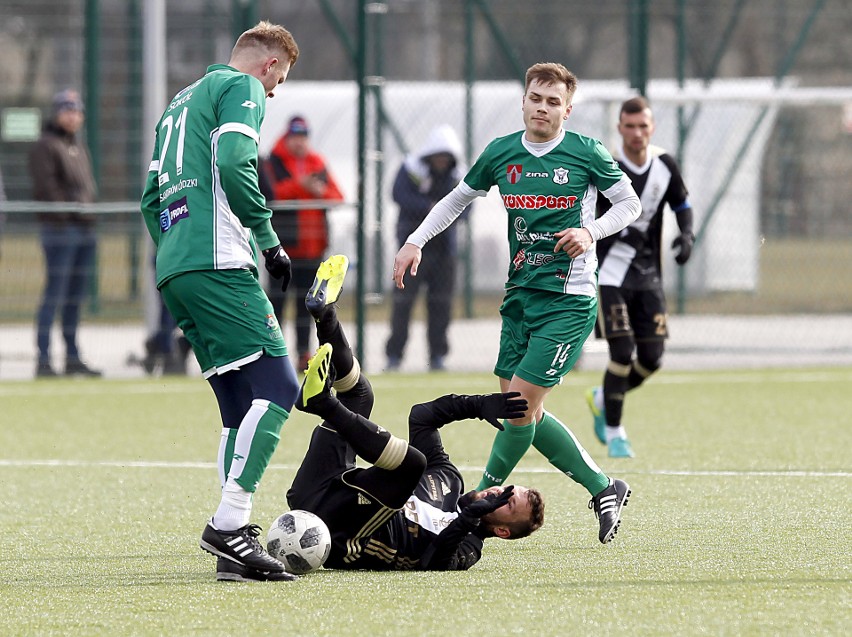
point(408, 510)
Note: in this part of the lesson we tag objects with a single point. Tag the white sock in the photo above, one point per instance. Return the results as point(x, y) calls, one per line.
point(234, 509)
point(615, 432)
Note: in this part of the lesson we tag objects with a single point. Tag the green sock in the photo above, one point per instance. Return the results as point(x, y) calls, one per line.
point(226, 453)
point(556, 443)
point(256, 441)
point(509, 447)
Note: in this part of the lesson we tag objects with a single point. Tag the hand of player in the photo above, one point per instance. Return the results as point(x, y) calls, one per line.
point(490, 502)
point(408, 257)
point(495, 407)
point(574, 241)
point(278, 265)
point(684, 241)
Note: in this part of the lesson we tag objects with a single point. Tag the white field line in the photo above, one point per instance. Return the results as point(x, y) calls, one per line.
point(439, 381)
point(145, 464)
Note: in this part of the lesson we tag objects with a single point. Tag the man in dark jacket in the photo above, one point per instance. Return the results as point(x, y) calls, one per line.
point(62, 172)
point(424, 178)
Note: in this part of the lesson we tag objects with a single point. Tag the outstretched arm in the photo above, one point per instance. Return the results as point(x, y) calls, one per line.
point(439, 219)
point(425, 419)
point(453, 407)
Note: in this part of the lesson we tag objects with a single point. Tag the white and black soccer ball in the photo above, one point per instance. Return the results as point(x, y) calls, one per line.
point(299, 539)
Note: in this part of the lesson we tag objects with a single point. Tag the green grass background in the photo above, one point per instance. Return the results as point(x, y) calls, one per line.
point(737, 524)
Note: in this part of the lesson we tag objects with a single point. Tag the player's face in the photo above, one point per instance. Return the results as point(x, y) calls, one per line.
point(275, 74)
point(636, 130)
point(516, 510)
point(545, 107)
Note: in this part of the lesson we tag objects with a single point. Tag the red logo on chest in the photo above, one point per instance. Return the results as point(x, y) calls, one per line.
point(514, 172)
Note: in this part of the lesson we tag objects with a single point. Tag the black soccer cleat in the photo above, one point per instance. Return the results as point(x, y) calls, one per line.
point(607, 506)
point(228, 571)
point(240, 547)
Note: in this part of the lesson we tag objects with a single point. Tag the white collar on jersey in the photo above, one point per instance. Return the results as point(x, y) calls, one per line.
point(653, 151)
point(542, 148)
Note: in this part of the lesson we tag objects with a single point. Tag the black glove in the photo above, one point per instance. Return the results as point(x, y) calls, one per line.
point(684, 241)
point(489, 503)
point(495, 407)
point(278, 265)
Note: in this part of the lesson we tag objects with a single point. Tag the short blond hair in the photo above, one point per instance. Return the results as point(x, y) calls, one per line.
point(551, 73)
point(269, 36)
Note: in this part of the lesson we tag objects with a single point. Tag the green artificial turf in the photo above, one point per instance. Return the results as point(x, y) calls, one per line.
point(736, 525)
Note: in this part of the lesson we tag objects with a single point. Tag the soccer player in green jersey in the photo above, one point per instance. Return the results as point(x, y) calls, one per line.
point(206, 214)
point(549, 180)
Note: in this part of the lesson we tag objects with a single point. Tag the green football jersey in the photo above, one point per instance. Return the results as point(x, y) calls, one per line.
point(543, 195)
point(202, 200)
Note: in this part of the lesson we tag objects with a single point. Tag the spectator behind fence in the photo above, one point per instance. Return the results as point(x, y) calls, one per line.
point(2, 206)
point(62, 172)
point(166, 347)
point(424, 179)
point(295, 171)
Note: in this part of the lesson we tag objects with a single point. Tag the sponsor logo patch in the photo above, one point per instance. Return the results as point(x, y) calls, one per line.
point(272, 326)
point(534, 202)
point(174, 213)
point(514, 172)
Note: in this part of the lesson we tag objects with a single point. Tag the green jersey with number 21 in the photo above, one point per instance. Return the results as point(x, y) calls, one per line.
point(195, 224)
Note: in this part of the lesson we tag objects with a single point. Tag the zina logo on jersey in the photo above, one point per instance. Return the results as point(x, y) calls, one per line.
point(514, 172)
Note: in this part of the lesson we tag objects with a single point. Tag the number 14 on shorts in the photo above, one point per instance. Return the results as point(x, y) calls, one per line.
point(559, 359)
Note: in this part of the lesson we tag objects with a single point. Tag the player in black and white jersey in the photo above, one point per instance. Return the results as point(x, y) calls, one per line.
point(632, 309)
point(408, 510)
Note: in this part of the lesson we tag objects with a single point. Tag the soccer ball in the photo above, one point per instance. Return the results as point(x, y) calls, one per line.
point(300, 540)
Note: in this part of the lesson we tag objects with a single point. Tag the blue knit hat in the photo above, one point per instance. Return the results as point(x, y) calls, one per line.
point(67, 100)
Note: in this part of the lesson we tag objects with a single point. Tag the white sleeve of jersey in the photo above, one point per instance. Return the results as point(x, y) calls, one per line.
point(444, 213)
point(625, 209)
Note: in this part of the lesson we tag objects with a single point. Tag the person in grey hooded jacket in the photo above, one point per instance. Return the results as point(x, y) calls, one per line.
point(423, 179)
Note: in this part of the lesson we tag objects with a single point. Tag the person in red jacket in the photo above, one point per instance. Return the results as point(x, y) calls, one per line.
point(294, 171)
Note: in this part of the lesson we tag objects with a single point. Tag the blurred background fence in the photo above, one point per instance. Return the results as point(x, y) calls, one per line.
point(754, 97)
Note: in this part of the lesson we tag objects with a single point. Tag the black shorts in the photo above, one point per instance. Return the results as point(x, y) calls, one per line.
point(637, 313)
point(354, 502)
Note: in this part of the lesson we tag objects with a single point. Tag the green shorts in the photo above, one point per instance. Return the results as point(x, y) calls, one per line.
point(543, 334)
point(226, 317)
